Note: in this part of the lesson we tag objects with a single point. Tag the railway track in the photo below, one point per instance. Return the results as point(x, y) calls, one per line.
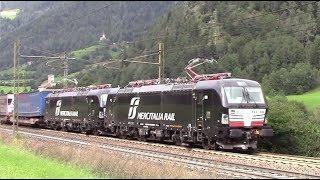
point(234, 170)
point(298, 159)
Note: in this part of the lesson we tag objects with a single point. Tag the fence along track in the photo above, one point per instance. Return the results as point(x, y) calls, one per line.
point(235, 169)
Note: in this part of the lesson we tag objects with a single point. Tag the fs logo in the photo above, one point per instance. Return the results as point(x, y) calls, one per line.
point(133, 107)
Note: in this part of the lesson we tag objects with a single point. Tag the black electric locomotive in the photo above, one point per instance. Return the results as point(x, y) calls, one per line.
point(80, 111)
point(211, 110)
point(224, 113)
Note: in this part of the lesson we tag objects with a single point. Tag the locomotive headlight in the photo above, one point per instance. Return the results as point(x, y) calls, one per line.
point(225, 119)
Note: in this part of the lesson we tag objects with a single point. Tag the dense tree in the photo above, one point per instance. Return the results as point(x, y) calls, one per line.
point(295, 80)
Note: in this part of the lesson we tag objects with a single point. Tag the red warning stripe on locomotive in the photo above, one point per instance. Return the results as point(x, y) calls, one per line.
point(241, 123)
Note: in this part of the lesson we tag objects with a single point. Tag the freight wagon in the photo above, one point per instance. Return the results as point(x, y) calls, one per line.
point(6, 107)
point(31, 108)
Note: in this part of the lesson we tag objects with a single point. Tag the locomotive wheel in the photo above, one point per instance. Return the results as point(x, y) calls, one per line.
point(123, 136)
point(95, 132)
point(177, 141)
point(207, 144)
point(251, 151)
point(142, 138)
point(56, 127)
point(65, 128)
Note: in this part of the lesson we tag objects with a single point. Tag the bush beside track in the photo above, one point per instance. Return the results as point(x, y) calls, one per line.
point(296, 131)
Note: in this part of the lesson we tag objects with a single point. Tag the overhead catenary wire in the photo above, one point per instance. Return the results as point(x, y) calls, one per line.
point(127, 59)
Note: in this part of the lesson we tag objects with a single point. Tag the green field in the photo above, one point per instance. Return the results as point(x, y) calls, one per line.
point(79, 54)
point(16, 163)
point(10, 14)
point(310, 99)
point(114, 54)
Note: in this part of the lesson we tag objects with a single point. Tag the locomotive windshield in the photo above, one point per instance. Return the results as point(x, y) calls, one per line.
point(241, 94)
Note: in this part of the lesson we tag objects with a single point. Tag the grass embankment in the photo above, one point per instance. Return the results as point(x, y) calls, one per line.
point(106, 163)
point(10, 14)
point(311, 99)
point(17, 163)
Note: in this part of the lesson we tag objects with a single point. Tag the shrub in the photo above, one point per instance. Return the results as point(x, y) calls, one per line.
point(295, 131)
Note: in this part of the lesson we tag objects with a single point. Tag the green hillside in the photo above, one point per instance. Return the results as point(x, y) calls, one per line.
point(310, 99)
point(49, 25)
point(274, 43)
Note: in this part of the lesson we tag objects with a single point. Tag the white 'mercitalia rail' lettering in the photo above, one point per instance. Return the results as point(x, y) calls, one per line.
point(69, 113)
point(156, 116)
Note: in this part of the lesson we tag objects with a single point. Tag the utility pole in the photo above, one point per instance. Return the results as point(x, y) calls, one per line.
point(64, 58)
point(18, 65)
point(161, 63)
point(65, 70)
point(16, 47)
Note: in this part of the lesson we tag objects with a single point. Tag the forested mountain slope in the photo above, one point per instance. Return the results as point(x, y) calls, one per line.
point(68, 26)
point(54, 32)
point(276, 43)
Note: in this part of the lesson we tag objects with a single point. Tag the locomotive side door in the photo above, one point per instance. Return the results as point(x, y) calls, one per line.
point(89, 110)
point(108, 111)
point(203, 112)
point(198, 110)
